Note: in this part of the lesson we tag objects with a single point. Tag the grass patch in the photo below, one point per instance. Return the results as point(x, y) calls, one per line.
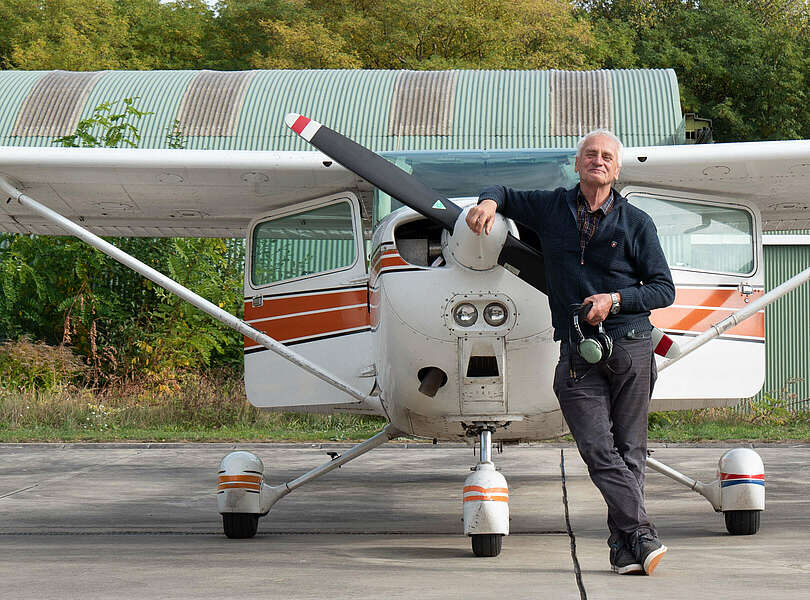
point(205, 407)
point(212, 407)
point(766, 421)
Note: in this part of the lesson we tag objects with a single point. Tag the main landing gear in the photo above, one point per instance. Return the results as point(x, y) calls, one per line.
point(243, 496)
point(738, 492)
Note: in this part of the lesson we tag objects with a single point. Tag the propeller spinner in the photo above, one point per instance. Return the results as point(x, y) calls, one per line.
point(519, 258)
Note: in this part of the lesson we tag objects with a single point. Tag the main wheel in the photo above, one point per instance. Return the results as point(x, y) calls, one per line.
point(487, 544)
point(742, 522)
point(239, 526)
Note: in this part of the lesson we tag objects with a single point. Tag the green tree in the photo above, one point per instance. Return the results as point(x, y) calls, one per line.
point(438, 34)
point(166, 35)
point(74, 35)
point(239, 38)
point(742, 63)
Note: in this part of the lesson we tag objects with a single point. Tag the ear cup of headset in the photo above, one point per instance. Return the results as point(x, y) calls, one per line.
point(605, 341)
point(591, 350)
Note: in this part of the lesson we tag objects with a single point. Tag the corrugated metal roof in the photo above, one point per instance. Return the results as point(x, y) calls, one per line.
point(212, 103)
point(423, 103)
point(581, 101)
point(53, 106)
point(384, 110)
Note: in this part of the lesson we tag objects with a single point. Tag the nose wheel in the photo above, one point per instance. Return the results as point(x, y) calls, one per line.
point(485, 500)
point(487, 544)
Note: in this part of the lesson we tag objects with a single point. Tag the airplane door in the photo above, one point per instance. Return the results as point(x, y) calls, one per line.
point(306, 285)
point(714, 249)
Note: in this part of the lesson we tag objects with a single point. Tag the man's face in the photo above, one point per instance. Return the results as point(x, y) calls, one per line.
point(598, 162)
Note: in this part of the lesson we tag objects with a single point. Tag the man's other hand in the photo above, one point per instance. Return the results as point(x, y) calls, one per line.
point(600, 309)
point(482, 217)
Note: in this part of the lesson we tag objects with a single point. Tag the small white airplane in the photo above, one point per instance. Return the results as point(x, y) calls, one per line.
point(444, 333)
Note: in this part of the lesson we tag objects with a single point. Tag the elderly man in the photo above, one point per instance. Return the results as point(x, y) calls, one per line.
point(600, 251)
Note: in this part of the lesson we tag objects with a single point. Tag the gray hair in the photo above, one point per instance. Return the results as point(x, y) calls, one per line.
point(606, 133)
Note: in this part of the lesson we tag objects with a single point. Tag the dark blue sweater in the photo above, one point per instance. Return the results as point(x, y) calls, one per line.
point(624, 255)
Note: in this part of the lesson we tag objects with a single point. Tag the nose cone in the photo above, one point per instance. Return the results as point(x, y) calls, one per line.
point(477, 252)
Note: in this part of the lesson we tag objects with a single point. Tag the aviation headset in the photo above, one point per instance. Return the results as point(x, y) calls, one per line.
point(595, 349)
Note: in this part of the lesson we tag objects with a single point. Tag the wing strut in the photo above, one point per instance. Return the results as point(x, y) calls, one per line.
point(178, 290)
point(741, 315)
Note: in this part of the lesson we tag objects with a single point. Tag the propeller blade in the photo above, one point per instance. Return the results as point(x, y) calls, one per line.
point(376, 170)
point(525, 262)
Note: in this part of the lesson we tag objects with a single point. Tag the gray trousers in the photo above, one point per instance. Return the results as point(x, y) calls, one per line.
point(606, 409)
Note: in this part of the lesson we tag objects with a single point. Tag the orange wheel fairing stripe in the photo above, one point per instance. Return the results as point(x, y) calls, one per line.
point(487, 498)
point(248, 478)
point(247, 486)
point(276, 307)
point(496, 494)
point(699, 320)
point(315, 324)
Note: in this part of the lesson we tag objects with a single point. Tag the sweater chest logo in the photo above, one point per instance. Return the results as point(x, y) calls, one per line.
point(613, 244)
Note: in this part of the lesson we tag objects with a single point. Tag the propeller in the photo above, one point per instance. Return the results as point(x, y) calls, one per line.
point(519, 258)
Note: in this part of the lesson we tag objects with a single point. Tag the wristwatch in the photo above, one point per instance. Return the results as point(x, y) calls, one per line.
point(614, 298)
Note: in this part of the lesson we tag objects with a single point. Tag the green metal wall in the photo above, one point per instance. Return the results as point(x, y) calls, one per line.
point(487, 109)
point(787, 328)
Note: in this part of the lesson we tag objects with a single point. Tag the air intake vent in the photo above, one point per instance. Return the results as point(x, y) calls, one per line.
point(423, 103)
point(482, 366)
point(54, 105)
point(212, 103)
point(581, 101)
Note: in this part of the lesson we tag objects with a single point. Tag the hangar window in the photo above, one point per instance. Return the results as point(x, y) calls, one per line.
point(316, 241)
point(701, 237)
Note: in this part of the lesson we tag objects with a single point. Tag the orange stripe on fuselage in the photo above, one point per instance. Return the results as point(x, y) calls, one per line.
point(701, 319)
point(720, 298)
point(313, 324)
point(287, 305)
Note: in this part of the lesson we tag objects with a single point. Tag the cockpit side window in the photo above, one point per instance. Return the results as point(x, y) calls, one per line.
point(307, 243)
point(701, 236)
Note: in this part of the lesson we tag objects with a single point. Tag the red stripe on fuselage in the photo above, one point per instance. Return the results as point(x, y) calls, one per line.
point(289, 305)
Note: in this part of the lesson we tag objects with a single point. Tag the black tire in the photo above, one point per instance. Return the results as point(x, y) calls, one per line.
point(487, 544)
point(240, 526)
point(742, 522)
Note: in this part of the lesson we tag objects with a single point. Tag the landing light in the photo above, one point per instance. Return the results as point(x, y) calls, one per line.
point(495, 314)
point(465, 314)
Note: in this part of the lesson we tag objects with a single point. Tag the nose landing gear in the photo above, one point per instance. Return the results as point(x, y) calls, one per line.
point(485, 499)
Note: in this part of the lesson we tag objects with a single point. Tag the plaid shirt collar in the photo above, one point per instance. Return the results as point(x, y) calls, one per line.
point(582, 204)
point(588, 221)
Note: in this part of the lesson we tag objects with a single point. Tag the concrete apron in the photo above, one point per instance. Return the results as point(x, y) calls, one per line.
point(135, 521)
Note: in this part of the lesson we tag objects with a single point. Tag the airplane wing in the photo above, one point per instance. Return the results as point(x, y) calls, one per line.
point(215, 193)
point(164, 193)
point(773, 175)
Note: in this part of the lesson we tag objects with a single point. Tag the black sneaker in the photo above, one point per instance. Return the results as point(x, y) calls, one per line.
point(647, 550)
point(622, 560)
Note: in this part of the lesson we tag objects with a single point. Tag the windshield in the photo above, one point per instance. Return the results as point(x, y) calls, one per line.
point(464, 173)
